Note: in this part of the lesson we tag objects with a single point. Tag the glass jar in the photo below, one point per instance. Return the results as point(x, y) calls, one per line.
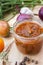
point(27, 45)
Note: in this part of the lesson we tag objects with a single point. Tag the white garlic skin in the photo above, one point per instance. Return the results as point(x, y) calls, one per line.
point(26, 10)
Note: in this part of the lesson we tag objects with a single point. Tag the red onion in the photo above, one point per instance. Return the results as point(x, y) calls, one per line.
point(41, 13)
point(23, 17)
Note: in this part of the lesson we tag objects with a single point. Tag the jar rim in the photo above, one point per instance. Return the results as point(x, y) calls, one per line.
point(26, 37)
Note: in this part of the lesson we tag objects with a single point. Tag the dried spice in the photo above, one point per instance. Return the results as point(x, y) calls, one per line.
point(32, 61)
point(16, 63)
point(26, 59)
point(22, 63)
point(36, 62)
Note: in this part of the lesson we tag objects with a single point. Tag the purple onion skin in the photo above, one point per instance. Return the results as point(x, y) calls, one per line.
point(22, 17)
point(41, 13)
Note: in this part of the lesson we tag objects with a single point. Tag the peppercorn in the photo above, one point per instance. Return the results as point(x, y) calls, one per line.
point(36, 62)
point(26, 59)
point(32, 60)
point(16, 63)
point(22, 63)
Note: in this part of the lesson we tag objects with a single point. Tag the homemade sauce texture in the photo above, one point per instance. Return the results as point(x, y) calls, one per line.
point(28, 29)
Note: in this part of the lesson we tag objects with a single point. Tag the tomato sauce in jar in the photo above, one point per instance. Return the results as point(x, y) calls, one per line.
point(28, 39)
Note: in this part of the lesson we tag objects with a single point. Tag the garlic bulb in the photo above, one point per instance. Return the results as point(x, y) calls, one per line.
point(26, 10)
